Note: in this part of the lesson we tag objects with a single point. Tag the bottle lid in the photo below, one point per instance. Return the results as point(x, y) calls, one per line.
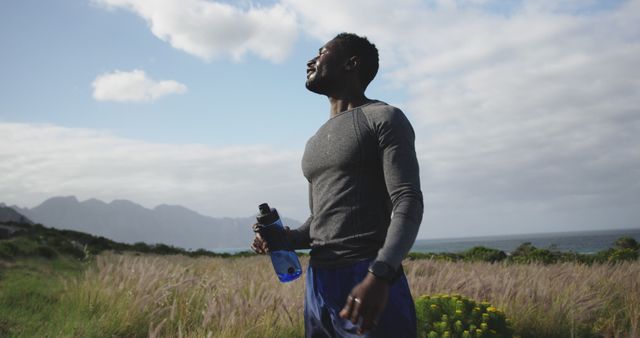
point(267, 215)
point(264, 208)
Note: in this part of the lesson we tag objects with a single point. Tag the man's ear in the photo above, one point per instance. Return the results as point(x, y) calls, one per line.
point(352, 63)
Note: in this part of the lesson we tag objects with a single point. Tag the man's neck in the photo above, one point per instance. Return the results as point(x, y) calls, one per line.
point(339, 105)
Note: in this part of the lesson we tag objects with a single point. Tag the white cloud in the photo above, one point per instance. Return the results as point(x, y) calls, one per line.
point(41, 161)
point(132, 86)
point(210, 29)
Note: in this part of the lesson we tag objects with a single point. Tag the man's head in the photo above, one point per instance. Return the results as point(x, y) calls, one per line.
point(347, 58)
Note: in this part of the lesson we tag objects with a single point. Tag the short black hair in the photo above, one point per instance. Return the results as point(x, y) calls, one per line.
point(354, 45)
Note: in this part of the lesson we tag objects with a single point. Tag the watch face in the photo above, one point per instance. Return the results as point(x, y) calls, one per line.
point(381, 270)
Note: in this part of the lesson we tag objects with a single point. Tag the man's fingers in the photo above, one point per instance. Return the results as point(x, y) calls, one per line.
point(259, 245)
point(348, 307)
point(368, 321)
point(356, 311)
point(255, 248)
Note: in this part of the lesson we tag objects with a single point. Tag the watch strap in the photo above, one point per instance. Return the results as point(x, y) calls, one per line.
point(385, 272)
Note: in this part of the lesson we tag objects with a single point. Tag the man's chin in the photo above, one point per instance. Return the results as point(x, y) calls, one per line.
point(313, 87)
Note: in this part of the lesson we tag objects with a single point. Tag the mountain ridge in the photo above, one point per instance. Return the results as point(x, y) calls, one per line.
point(126, 221)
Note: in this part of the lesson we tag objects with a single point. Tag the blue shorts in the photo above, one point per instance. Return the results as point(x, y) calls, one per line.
point(326, 294)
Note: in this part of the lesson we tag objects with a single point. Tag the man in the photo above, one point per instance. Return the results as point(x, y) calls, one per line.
point(365, 200)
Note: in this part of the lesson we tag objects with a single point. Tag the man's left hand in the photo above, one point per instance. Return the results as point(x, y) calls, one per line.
point(367, 301)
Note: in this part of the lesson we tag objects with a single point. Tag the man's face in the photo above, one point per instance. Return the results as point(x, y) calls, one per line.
point(325, 70)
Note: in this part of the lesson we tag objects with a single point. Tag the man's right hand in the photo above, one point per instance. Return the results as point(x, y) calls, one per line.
point(259, 245)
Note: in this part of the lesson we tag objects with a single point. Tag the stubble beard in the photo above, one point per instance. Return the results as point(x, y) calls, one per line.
point(318, 84)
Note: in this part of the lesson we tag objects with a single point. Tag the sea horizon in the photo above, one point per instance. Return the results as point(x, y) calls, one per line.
point(580, 241)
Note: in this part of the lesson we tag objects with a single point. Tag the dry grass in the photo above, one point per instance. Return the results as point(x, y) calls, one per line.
point(558, 300)
point(197, 297)
point(176, 296)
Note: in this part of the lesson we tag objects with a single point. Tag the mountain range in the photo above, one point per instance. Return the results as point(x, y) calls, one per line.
point(128, 222)
point(8, 214)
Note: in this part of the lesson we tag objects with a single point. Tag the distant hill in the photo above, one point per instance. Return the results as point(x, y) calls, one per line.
point(21, 240)
point(128, 222)
point(9, 215)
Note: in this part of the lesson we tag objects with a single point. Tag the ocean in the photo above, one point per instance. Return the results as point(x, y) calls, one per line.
point(578, 241)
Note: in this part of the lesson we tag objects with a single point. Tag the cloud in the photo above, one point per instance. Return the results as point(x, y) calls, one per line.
point(209, 29)
point(526, 113)
point(132, 86)
point(41, 161)
point(529, 110)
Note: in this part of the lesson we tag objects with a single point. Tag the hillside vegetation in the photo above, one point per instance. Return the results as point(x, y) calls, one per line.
point(58, 283)
point(36, 240)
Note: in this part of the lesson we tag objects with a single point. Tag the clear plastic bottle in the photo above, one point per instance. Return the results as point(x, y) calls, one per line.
point(285, 261)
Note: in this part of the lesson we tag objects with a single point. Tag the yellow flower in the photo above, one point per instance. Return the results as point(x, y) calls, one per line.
point(491, 309)
point(434, 306)
point(459, 312)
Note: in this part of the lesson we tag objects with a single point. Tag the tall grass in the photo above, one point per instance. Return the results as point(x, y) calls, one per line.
point(556, 300)
point(177, 296)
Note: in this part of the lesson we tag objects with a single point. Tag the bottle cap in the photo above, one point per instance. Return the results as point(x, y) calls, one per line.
point(267, 215)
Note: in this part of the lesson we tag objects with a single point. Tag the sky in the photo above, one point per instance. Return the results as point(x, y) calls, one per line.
point(526, 113)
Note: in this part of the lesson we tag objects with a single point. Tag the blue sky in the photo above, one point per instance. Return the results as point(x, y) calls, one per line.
point(526, 112)
point(58, 48)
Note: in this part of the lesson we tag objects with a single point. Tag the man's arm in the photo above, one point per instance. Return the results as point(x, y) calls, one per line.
point(397, 151)
point(402, 176)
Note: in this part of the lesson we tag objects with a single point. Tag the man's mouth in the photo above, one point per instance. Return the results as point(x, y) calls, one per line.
point(310, 72)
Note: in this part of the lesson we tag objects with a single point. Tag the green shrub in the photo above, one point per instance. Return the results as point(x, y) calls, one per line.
point(459, 317)
point(141, 247)
point(484, 254)
point(71, 249)
point(8, 250)
point(626, 243)
point(527, 253)
point(18, 246)
point(46, 252)
point(620, 255)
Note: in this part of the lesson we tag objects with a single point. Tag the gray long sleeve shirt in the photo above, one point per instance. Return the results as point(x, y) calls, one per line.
point(364, 188)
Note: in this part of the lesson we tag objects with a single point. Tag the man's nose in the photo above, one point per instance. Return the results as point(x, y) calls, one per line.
point(312, 61)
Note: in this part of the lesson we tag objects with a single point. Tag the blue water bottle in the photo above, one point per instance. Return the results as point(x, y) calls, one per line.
point(285, 261)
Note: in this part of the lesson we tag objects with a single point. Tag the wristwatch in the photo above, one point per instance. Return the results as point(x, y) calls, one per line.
point(383, 271)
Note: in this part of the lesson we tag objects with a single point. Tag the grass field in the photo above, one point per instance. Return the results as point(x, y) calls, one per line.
point(176, 296)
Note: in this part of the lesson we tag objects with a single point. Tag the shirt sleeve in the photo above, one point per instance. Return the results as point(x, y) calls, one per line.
point(299, 238)
point(396, 140)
